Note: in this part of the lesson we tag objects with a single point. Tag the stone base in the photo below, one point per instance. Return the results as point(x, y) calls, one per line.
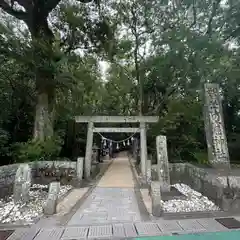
point(172, 194)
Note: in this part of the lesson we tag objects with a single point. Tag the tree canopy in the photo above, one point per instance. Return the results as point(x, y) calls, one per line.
point(65, 58)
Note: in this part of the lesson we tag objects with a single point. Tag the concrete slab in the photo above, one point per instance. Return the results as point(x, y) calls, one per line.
point(103, 231)
point(49, 233)
point(169, 226)
point(190, 225)
point(148, 229)
point(75, 233)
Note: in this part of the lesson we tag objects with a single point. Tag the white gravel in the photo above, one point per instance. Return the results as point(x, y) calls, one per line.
point(27, 213)
point(195, 201)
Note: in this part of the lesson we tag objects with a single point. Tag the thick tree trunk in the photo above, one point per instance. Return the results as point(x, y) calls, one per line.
point(43, 126)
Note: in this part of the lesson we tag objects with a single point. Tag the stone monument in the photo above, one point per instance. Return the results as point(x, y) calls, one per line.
point(157, 209)
point(22, 184)
point(214, 127)
point(80, 168)
point(162, 163)
point(51, 204)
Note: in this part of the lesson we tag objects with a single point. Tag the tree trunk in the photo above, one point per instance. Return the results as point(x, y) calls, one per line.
point(43, 126)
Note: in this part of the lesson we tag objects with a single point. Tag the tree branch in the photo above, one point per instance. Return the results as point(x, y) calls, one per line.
point(21, 15)
point(213, 14)
point(50, 5)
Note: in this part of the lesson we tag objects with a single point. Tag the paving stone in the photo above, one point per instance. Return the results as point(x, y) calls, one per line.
point(18, 234)
point(147, 229)
point(118, 230)
point(169, 226)
point(50, 234)
point(211, 224)
point(75, 233)
point(108, 204)
point(103, 231)
point(30, 234)
point(75, 220)
point(130, 230)
point(190, 225)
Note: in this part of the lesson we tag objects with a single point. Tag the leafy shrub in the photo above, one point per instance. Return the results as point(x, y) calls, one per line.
point(4, 138)
point(201, 157)
point(37, 150)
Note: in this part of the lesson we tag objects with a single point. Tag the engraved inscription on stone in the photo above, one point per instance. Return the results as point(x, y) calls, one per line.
point(156, 199)
point(214, 126)
point(162, 162)
point(51, 203)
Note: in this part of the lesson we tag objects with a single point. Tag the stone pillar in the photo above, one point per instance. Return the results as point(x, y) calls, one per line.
point(88, 154)
point(51, 203)
point(157, 209)
point(80, 168)
point(214, 127)
point(149, 171)
point(143, 147)
point(162, 163)
point(22, 184)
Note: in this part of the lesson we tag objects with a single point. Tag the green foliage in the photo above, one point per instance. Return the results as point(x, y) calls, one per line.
point(164, 51)
point(38, 150)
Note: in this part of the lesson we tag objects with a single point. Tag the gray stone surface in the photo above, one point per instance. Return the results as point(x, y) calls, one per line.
point(190, 225)
point(8, 173)
point(211, 225)
point(143, 149)
point(79, 171)
point(212, 183)
point(124, 230)
point(162, 163)
point(156, 199)
point(103, 231)
point(18, 234)
point(218, 154)
point(118, 230)
point(148, 229)
point(49, 233)
point(88, 153)
point(149, 171)
point(107, 205)
point(130, 230)
point(169, 226)
point(51, 203)
point(31, 233)
point(75, 233)
point(22, 184)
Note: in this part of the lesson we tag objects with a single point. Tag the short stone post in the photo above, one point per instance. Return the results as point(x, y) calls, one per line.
point(162, 163)
point(157, 209)
point(22, 184)
point(51, 204)
point(80, 168)
point(214, 127)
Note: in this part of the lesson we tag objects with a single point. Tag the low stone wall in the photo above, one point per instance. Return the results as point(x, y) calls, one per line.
point(7, 176)
point(43, 172)
point(211, 183)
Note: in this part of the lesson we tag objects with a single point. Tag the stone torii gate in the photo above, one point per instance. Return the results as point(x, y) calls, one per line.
point(142, 120)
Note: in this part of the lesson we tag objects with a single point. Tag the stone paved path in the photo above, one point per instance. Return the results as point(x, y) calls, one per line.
point(113, 200)
point(111, 212)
